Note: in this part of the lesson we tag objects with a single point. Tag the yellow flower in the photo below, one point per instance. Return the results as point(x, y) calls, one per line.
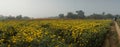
point(29, 39)
point(8, 45)
point(46, 33)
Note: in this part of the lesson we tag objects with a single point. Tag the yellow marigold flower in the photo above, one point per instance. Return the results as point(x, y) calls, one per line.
point(57, 46)
point(29, 39)
point(46, 33)
point(8, 45)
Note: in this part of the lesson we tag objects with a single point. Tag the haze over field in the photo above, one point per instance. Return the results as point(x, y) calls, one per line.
point(48, 8)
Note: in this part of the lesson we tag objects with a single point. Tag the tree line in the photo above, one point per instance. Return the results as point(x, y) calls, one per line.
point(10, 17)
point(81, 15)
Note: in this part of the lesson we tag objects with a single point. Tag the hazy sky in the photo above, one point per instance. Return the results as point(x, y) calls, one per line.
point(47, 8)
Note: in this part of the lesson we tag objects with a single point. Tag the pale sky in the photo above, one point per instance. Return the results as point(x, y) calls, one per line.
point(47, 8)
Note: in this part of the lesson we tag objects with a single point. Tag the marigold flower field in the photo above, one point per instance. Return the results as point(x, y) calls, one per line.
point(53, 33)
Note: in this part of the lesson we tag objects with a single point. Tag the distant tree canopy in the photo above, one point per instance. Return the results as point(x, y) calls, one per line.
point(101, 16)
point(19, 17)
point(10, 17)
point(81, 15)
point(61, 15)
point(71, 15)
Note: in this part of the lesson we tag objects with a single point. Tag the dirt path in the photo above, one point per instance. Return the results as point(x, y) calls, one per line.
point(112, 36)
point(118, 32)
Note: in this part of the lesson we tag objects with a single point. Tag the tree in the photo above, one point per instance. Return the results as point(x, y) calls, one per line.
point(109, 16)
point(96, 16)
point(118, 16)
point(80, 14)
point(19, 17)
point(10, 17)
point(26, 17)
point(71, 15)
point(61, 15)
point(2, 17)
point(103, 13)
